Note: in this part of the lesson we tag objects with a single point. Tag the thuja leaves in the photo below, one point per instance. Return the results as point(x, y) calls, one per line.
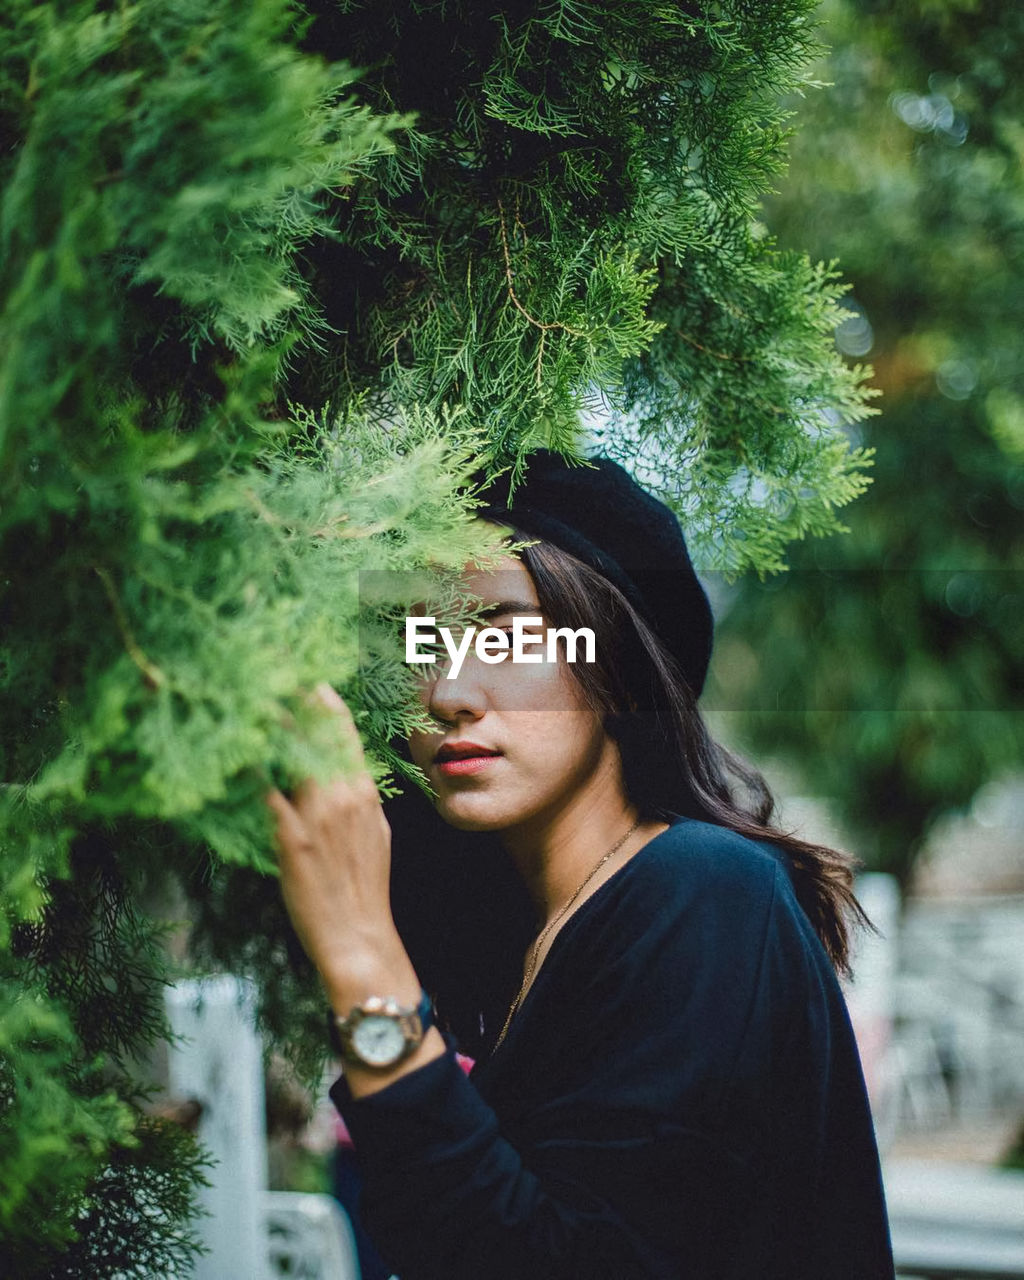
point(566, 232)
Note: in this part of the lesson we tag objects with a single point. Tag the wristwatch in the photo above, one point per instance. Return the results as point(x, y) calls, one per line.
point(379, 1032)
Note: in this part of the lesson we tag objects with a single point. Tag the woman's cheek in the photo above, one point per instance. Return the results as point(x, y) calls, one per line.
point(533, 685)
point(422, 747)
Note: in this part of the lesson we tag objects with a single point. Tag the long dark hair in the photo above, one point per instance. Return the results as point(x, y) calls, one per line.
point(671, 763)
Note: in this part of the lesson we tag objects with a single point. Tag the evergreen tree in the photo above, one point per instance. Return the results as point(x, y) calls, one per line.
point(568, 226)
point(263, 318)
point(887, 663)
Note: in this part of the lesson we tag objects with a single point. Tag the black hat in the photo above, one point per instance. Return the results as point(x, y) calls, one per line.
point(600, 514)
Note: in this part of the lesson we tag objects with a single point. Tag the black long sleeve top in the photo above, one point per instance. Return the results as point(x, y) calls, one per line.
point(679, 1095)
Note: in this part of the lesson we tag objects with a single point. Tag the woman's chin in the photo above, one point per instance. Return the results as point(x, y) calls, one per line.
point(466, 813)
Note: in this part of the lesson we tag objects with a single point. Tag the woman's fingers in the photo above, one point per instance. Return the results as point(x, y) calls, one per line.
point(330, 697)
point(290, 829)
point(326, 696)
point(314, 806)
point(333, 851)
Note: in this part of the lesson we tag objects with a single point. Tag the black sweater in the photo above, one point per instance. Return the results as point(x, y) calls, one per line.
point(680, 1095)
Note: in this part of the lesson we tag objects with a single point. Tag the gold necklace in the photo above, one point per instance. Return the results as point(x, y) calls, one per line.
point(531, 962)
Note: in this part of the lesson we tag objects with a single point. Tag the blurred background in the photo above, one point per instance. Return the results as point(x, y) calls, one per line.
point(879, 681)
point(881, 676)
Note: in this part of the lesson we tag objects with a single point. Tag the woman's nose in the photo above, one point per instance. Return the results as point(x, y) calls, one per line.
point(462, 695)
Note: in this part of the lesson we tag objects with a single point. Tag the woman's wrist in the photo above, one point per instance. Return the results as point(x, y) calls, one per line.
point(379, 969)
point(387, 972)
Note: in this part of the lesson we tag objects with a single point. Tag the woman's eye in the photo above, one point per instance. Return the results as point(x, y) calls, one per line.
point(501, 655)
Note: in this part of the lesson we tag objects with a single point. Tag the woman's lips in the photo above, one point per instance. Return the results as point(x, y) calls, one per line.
point(467, 764)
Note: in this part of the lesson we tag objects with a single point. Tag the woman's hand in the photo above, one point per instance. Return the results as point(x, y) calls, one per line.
point(334, 855)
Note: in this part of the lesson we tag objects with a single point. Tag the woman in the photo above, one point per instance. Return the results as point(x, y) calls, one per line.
point(666, 1081)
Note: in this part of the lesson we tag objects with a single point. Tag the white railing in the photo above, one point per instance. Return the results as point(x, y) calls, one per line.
point(310, 1237)
point(956, 1222)
point(250, 1233)
point(959, 1010)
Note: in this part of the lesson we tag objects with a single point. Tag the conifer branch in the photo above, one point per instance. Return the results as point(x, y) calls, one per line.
point(152, 674)
point(510, 280)
point(716, 355)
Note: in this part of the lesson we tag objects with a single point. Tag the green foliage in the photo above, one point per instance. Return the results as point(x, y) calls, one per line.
point(188, 706)
point(53, 1138)
point(135, 1218)
point(779, 475)
point(263, 318)
point(189, 149)
point(90, 1185)
point(888, 665)
point(567, 229)
point(158, 537)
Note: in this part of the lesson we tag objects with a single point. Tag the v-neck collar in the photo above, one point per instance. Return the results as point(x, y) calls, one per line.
point(599, 893)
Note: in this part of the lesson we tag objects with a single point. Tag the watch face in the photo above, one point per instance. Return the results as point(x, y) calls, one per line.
point(378, 1041)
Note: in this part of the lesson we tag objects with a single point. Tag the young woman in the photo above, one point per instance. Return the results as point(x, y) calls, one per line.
point(666, 1080)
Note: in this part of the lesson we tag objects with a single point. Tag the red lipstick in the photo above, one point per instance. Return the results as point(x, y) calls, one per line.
point(455, 758)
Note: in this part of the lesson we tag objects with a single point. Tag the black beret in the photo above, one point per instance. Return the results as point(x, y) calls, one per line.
point(600, 514)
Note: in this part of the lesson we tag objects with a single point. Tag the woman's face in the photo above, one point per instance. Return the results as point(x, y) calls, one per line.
point(552, 749)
